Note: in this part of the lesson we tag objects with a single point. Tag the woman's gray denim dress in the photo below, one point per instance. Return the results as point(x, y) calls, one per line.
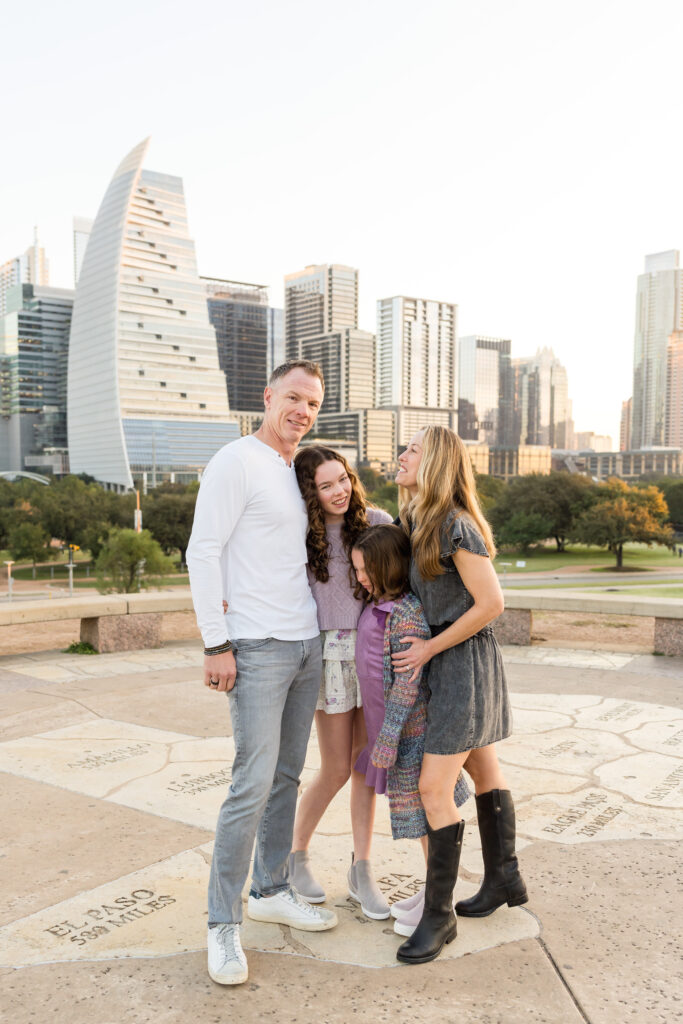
point(469, 705)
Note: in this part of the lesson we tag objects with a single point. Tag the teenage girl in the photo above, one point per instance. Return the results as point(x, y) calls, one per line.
point(338, 513)
point(395, 702)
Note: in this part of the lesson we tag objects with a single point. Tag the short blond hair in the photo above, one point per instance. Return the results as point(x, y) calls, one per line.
point(307, 365)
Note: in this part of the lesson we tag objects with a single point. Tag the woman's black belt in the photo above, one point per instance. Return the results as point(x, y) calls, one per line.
point(435, 630)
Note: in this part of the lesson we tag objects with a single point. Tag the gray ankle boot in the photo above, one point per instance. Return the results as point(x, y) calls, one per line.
point(301, 877)
point(364, 890)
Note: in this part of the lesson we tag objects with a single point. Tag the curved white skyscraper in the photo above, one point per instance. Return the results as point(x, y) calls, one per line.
point(146, 394)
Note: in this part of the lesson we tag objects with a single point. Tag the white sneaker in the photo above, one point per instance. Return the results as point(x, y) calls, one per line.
point(401, 907)
point(290, 908)
point(227, 962)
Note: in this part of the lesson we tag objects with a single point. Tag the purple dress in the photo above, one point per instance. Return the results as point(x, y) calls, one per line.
point(370, 669)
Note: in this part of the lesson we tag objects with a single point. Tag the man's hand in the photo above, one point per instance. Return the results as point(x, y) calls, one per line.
point(220, 669)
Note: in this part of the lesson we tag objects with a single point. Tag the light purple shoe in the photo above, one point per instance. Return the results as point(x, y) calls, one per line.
point(408, 922)
point(401, 907)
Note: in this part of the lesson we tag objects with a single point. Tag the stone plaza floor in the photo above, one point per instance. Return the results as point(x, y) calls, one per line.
point(113, 770)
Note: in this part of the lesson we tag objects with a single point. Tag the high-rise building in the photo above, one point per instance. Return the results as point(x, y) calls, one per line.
point(82, 226)
point(276, 338)
point(319, 300)
point(625, 426)
point(30, 268)
point(372, 431)
point(659, 313)
point(486, 391)
point(416, 353)
point(347, 359)
point(410, 419)
point(587, 440)
point(542, 408)
point(34, 340)
point(147, 399)
point(674, 391)
point(239, 314)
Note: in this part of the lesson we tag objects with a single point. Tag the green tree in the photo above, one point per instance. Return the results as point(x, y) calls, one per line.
point(130, 560)
point(522, 529)
point(29, 540)
point(560, 498)
point(370, 478)
point(81, 512)
point(168, 515)
point(623, 515)
point(490, 490)
point(672, 490)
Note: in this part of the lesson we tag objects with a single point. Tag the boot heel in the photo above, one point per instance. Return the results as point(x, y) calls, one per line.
point(517, 901)
point(452, 936)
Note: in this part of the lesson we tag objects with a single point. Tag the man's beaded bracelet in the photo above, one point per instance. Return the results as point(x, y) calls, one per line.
point(221, 649)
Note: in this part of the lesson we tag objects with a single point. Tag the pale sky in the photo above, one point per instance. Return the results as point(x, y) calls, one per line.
point(517, 157)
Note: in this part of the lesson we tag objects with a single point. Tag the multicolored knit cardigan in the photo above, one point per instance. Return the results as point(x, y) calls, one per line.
point(400, 744)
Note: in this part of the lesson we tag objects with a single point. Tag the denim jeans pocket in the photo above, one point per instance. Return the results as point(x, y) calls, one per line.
point(251, 645)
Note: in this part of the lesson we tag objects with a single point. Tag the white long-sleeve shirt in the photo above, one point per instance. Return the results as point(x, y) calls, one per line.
point(248, 545)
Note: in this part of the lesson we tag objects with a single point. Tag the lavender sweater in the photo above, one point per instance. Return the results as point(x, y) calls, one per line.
point(337, 607)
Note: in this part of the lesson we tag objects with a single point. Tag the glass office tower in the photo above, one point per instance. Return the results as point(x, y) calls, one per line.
point(34, 339)
point(146, 396)
point(659, 312)
point(239, 314)
point(485, 406)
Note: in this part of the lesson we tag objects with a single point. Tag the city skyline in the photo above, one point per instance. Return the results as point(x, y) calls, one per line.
point(526, 195)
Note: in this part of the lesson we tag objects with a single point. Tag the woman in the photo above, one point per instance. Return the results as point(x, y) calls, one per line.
point(469, 709)
point(337, 514)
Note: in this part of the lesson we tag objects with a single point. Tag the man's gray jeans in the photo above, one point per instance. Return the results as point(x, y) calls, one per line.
point(271, 706)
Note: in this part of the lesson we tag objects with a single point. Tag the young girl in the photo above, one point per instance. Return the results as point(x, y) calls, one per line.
point(337, 513)
point(395, 703)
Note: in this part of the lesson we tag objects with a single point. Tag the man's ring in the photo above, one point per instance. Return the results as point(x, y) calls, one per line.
point(213, 682)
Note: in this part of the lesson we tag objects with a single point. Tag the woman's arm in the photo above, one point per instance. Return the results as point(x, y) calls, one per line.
point(479, 577)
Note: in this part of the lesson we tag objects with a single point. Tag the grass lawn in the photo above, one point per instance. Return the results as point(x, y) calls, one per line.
point(166, 581)
point(566, 584)
point(636, 556)
point(675, 592)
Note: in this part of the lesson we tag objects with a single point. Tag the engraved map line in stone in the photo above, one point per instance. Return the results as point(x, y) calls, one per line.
point(198, 784)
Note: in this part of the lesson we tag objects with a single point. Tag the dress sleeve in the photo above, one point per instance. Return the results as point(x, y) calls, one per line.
point(403, 694)
point(460, 532)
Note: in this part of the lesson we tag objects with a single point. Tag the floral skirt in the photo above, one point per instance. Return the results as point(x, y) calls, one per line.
point(339, 689)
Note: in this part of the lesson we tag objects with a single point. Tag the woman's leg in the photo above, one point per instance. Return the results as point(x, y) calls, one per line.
point(335, 733)
point(437, 782)
point(438, 924)
point(502, 881)
point(483, 768)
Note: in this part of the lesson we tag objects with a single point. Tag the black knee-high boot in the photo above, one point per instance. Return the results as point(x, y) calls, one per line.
point(438, 924)
point(502, 881)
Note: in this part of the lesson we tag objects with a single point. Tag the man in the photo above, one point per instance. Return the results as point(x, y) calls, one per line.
point(248, 545)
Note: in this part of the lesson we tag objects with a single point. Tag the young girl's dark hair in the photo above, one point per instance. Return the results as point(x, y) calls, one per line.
point(386, 555)
point(306, 462)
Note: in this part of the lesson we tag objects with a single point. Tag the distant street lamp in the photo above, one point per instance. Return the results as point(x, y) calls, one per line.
point(505, 567)
point(70, 567)
point(9, 580)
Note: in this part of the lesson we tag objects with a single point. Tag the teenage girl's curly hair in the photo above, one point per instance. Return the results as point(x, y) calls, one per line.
point(306, 462)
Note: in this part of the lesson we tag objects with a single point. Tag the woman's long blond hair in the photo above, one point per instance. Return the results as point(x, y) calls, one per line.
point(445, 483)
